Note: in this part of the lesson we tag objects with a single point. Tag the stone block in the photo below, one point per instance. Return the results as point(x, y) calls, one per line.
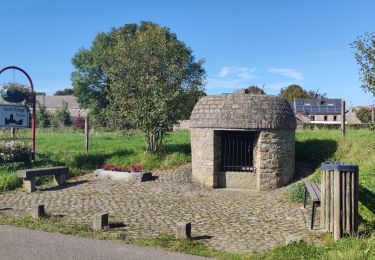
point(37, 211)
point(100, 220)
point(29, 185)
point(183, 230)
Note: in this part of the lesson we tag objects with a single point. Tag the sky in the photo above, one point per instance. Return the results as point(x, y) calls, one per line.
point(266, 43)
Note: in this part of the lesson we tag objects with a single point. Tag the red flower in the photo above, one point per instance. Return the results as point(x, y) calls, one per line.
point(119, 168)
point(138, 168)
point(132, 168)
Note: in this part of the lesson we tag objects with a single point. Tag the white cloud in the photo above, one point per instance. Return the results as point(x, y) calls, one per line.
point(287, 72)
point(224, 72)
point(231, 77)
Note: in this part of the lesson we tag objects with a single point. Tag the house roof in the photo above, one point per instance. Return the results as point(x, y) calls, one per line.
point(57, 101)
point(323, 106)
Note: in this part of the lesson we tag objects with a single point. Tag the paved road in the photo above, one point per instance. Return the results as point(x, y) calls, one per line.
point(22, 243)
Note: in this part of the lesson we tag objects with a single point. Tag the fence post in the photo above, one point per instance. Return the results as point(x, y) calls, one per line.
point(87, 130)
point(372, 114)
point(343, 117)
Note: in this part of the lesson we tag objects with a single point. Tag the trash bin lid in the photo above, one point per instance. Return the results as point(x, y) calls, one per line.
point(339, 166)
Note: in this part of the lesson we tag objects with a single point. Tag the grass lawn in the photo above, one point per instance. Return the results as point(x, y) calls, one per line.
point(66, 148)
point(312, 148)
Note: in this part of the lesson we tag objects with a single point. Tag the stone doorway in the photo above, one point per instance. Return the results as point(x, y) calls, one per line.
point(237, 151)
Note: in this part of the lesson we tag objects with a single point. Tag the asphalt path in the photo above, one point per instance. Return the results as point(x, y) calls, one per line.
point(26, 244)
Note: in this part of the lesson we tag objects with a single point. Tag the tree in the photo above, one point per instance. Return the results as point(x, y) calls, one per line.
point(255, 90)
point(90, 81)
point(64, 92)
point(142, 74)
point(294, 91)
point(365, 55)
point(154, 79)
point(316, 94)
point(42, 117)
point(62, 117)
point(364, 115)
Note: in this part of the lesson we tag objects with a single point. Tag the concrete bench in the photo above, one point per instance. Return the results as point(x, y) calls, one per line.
point(313, 190)
point(60, 173)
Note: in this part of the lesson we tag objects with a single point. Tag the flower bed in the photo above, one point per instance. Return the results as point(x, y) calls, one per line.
point(129, 174)
point(14, 151)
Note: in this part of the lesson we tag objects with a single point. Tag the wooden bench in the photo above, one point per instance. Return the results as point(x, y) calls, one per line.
point(314, 191)
point(60, 173)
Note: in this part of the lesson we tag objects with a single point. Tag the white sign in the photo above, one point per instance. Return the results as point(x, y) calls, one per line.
point(13, 116)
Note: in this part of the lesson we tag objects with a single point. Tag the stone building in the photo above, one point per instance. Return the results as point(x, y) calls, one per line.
point(243, 141)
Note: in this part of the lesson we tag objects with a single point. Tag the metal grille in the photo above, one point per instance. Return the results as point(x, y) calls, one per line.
point(237, 151)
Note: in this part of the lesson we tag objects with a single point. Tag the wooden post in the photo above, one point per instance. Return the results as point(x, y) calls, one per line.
point(13, 133)
point(372, 114)
point(343, 117)
point(87, 130)
point(337, 227)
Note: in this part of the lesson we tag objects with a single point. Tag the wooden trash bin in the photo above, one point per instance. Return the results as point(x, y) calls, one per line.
point(339, 198)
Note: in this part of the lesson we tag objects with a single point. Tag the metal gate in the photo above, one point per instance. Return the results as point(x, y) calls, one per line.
point(237, 150)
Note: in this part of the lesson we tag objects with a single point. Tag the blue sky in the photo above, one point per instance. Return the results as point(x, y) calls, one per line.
point(270, 43)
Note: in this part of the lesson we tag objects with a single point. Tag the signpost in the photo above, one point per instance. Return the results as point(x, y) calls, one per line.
point(33, 114)
point(14, 116)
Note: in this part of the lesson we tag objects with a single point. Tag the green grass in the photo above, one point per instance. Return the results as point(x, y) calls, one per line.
point(66, 148)
point(358, 147)
point(312, 148)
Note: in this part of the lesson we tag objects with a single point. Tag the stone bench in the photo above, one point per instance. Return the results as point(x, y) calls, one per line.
point(60, 173)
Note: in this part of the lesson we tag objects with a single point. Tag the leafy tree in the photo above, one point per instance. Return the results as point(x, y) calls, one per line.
point(62, 117)
point(364, 115)
point(294, 91)
point(42, 117)
point(154, 79)
point(365, 55)
point(255, 90)
point(316, 94)
point(65, 92)
point(97, 69)
point(90, 81)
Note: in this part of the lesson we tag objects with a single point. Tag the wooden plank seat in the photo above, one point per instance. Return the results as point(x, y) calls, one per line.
point(60, 174)
point(313, 190)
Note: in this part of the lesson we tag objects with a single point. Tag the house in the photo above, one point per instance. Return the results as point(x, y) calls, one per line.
point(318, 111)
point(54, 103)
point(351, 115)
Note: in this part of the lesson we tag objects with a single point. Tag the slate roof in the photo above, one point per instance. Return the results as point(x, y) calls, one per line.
point(243, 111)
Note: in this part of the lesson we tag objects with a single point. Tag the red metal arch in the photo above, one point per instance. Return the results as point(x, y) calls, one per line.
point(33, 117)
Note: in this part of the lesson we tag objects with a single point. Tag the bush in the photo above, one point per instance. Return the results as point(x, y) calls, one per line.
point(42, 117)
point(79, 123)
point(14, 151)
point(62, 117)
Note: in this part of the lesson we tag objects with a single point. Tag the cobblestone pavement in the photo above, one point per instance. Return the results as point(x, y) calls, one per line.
point(229, 220)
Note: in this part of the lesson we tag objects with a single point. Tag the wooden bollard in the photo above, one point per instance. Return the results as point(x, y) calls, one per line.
point(100, 220)
point(37, 211)
point(183, 230)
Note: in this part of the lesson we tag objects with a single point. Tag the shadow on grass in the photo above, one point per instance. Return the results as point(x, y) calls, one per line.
point(64, 186)
point(311, 153)
point(94, 160)
point(367, 198)
point(181, 148)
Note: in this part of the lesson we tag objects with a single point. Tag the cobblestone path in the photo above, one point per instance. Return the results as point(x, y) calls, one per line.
point(230, 220)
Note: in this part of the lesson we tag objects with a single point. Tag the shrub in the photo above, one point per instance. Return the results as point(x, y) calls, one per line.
point(14, 151)
point(79, 123)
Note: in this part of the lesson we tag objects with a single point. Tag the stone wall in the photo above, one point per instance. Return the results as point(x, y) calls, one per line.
point(274, 153)
point(202, 143)
point(274, 159)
